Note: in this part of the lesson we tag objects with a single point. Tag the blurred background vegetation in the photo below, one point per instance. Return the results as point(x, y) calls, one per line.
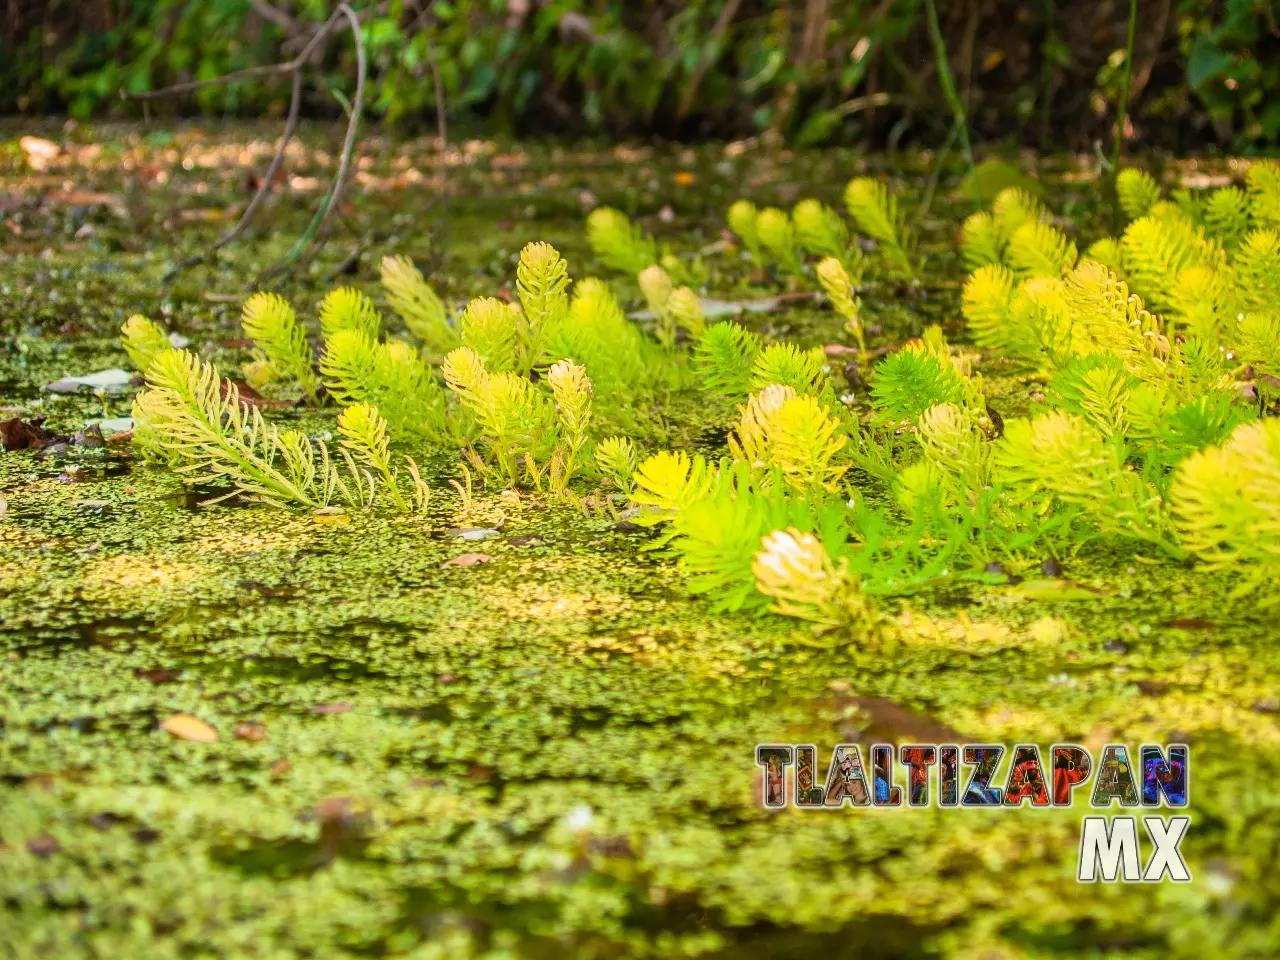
point(1206, 73)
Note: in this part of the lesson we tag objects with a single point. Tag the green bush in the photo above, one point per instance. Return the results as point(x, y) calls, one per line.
point(814, 73)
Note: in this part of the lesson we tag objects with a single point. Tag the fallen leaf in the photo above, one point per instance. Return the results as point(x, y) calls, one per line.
point(251, 731)
point(713, 307)
point(330, 515)
point(326, 709)
point(112, 426)
point(43, 845)
point(114, 380)
point(250, 397)
point(87, 198)
point(839, 350)
point(19, 434)
point(475, 533)
point(186, 727)
point(468, 560)
point(157, 675)
point(1057, 590)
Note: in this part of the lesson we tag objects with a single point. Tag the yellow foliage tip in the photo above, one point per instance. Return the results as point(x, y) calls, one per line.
point(143, 341)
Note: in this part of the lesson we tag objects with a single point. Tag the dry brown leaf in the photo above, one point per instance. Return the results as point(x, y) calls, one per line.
point(330, 708)
point(186, 727)
point(468, 560)
point(251, 731)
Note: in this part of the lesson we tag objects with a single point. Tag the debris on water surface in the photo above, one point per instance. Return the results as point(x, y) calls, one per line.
point(251, 731)
point(475, 533)
point(19, 434)
point(468, 560)
point(329, 709)
point(113, 381)
point(186, 727)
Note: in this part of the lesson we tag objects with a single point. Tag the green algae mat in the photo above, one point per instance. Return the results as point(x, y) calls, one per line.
point(517, 714)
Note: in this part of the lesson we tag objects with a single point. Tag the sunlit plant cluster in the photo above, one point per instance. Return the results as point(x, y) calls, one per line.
point(1157, 351)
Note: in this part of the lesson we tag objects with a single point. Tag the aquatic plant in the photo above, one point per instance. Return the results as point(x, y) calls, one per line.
point(394, 378)
point(875, 212)
point(778, 238)
point(822, 232)
point(839, 288)
point(1037, 249)
point(280, 340)
point(195, 422)
point(616, 459)
point(348, 309)
point(741, 218)
point(618, 243)
point(1137, 191)
point(1227, 503)
point(413, 300)
point(780, 428)
point(143, 341)
point(724, 356)
point(795, 571)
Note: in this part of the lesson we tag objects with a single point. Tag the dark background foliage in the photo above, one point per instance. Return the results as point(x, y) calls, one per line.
point(1206, 73)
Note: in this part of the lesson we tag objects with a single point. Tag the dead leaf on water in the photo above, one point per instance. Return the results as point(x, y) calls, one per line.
point(327, 709)
point(44, 846)
point(251, 731)
point(186, 727)
point(468, 560)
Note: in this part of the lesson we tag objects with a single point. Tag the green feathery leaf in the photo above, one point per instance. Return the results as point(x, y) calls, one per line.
point(875, 212)
point(270, 323)
point(413, 300)
point(618, 243)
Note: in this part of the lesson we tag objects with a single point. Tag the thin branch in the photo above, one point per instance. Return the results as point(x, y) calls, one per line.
point(290, 127)
point(949, 91)
point(270, 70)
point(295, 68)
point(318, 225)
point(274, 69)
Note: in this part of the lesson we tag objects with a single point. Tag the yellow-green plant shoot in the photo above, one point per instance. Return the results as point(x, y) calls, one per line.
point(269, 321)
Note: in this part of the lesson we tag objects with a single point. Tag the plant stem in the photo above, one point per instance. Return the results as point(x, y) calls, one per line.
point(1123, 111)
point(949, 91)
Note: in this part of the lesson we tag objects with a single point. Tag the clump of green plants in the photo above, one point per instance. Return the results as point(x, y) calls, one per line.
point(280, 341)
point(195, 422)
point(1156, 350)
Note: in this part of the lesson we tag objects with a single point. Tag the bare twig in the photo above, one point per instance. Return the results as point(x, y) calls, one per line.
point(316, 235)
point(949, 91)
point(290, 126)
point(343, 16)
